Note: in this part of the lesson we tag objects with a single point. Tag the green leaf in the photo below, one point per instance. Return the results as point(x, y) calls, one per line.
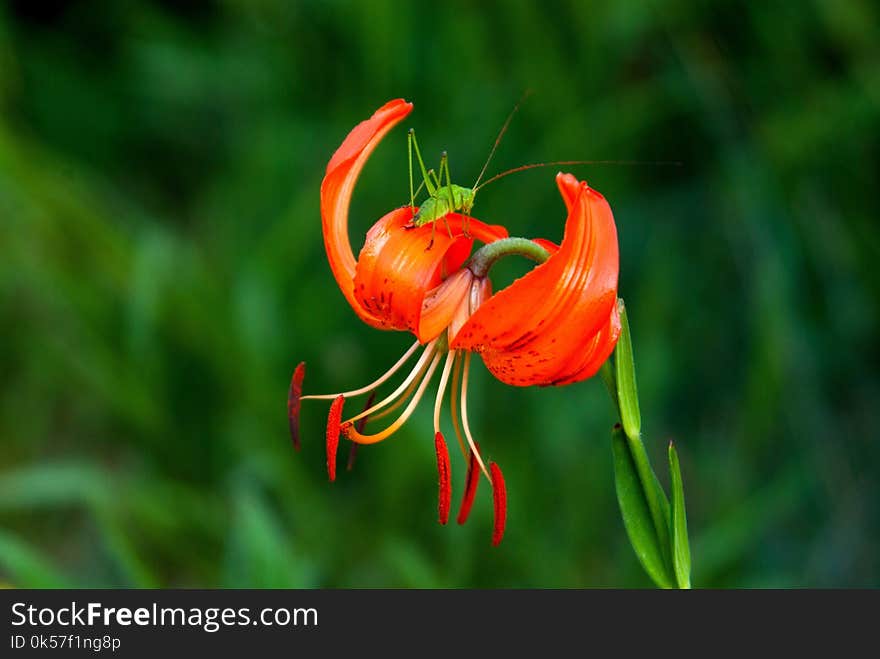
point(630, 416)
point(681, 551)
point(636, 513)
point(606, 372)
point(658, 504)
point(627, 392)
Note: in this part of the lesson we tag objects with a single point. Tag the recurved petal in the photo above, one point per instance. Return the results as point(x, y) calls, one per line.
point(342, 173)
point(594, 354)
point(552, 325)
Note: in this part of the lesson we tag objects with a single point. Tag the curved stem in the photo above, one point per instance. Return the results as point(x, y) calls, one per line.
point(485, 257)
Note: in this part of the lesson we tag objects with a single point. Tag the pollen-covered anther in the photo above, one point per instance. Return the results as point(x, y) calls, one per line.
point(294, 394)
point(333, 429)
point(445, 484)
point(499, 498)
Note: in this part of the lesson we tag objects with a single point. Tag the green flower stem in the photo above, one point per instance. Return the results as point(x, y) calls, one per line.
point(658, 504)
point(485, 257)
point(657, 534)
point(657, 501)
point(671, 564)
point(635, 513)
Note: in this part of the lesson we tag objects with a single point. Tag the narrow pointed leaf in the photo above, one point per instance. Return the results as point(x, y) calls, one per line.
point(658, 504)
point(636, 514)
point(630, 417)
point(606, 372)
point(627, 393)
point(681, 551)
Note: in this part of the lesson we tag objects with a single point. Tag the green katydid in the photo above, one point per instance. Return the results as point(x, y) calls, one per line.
point(449, 198)
point(446, 197)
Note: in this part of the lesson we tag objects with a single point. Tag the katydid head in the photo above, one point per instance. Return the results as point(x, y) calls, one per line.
point(468, 196)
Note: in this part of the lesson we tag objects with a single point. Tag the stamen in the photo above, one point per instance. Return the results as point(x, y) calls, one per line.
point(415, 373)
point(441, 389)
point(401, 400)
point(499, 498)
point(355, 436)
point(443, 470)
point(464, 417)
point(374, 385)
point(294, 396)
point(470, 489)
point(352, 452)
point(333, 435)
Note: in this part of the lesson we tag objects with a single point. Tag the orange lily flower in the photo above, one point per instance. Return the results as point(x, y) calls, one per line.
point(556, 325)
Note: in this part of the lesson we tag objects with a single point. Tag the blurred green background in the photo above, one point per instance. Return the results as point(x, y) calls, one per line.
point(162, 272)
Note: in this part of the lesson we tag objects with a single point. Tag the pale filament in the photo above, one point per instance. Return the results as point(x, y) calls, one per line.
point(355, 436)
point(464, 416)
point(400, 400)
point(417, 370)
point(441, 389)
point(369, 387)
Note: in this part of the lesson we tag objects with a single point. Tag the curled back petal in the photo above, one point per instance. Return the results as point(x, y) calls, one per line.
point(552, 325)
point(342, 173)
point(594, 354)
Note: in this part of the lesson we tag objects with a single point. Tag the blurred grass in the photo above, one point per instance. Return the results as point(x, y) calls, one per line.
point(162, 272)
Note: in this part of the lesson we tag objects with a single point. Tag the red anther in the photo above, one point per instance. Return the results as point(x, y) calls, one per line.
point(470, 488)
point(499, 497)
point(293, 396)
point(443, 472)
point(333, 420)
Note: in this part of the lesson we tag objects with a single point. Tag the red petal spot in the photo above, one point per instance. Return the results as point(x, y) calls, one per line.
point(333, 420)
point(470, 489)
point(293, 396)
point(443, 471)
point(499, 497)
